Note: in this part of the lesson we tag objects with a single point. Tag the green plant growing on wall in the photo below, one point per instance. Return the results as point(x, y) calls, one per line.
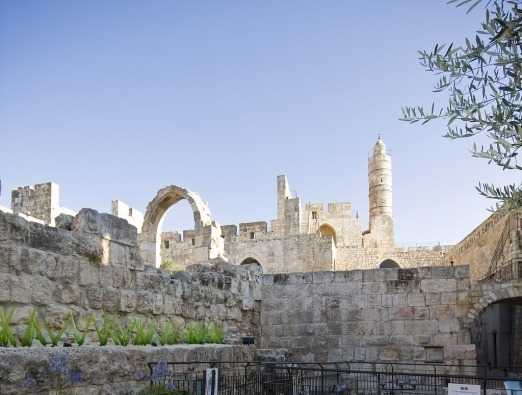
point(39, 333)
point(55, 336)
point(143, 333)
point(196, 333)
point(121, 335)
point(215, 333)
point(104, 331)
point(171, 266)
point(7, 337)
point(77, 333)
point(169, 334)
point(29, 334)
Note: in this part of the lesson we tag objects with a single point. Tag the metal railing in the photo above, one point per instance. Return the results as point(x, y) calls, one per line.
point(346, 378)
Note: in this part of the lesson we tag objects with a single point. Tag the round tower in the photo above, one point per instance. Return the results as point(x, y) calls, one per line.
point(380, 182)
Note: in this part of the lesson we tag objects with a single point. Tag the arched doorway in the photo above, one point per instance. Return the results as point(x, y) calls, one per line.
point(326, 230)
point(497, 335)
point(495, 322)
point(389, 264)
point(253, 265)
point(149, 243)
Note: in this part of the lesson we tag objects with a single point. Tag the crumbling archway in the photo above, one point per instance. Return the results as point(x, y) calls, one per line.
point(165, 198)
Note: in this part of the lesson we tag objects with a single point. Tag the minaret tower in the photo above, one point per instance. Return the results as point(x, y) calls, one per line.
point(380, 181)
point(381, 232)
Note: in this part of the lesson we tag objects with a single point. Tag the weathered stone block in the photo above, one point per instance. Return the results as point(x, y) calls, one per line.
point(94, 296)
point(460, 352)
point(111, 300)
point(449, 326)
point(4, 287)
point(20, 288)
point(69, 269)
point(389, 354)
point(89, 273)
point(416, 299)
point(448, 298)
point(374, 300)
point(442, 272)
point(105, 225)
point(374, 288)
point(439, 285)
point(426, 327)
point(432, 299)
point(42, 290)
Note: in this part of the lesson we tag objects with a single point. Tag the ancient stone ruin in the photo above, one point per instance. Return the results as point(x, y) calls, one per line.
point(312, 286)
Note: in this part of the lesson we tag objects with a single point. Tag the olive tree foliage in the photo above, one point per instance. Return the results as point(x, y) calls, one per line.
point(483, 81)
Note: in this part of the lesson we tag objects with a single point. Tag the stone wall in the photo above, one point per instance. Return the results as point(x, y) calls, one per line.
point(96, 268)
point(40, 201)
point(492, 246)
point(100, 370)
point(372, 257)
point(402, 315)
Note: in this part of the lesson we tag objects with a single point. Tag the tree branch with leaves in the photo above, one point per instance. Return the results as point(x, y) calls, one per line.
point(483, 82)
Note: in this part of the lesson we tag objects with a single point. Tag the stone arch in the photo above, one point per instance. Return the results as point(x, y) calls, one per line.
point(252, 264)
point(494, 325)
point(389, 264)
point(165, 198)
point(493, 292)
point(326, 230)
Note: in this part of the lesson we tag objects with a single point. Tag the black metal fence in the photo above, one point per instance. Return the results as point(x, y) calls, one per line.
point(342, 378)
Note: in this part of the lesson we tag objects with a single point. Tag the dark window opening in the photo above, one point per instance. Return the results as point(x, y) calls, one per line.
point(130, 211)
point(166, 243)
point(314, 214)
point(495, 350)
point(193, 241)
point(389, 264)
point(252, 235)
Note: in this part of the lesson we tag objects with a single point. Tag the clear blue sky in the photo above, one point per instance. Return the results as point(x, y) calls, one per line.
point(115, 99)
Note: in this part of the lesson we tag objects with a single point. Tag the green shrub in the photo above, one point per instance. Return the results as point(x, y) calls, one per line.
point(169, 334)
point(143, 333)
point(7, 336)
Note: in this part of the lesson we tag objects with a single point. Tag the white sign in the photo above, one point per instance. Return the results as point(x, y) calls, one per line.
point(211, 382)
point(463, 389)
